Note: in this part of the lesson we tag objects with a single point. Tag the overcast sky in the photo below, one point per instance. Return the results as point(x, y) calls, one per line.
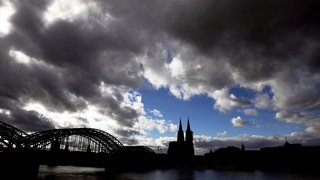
point(114, 65)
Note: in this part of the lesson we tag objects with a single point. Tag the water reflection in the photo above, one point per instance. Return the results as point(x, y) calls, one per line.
point(70, 172)
point(89, 173)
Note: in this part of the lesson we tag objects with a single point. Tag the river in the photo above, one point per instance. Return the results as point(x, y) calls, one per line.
point(89, 173)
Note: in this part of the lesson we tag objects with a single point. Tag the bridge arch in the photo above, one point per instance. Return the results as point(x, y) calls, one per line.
point(10, 136)
point(104, 141)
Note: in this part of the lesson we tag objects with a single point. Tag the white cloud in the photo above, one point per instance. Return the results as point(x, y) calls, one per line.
point(161, 125)
point(145, 124)
point(262, 101)
point(310, 120)
point(155, 72)
point(239, 122)
point(296, 89)
point(250, 112)
point(156, 113)
point(157, 144)
point(187, 74)
point(222, 134)
point(90, 117)
point(133, 99)
point(176, 67)
point(225, 101)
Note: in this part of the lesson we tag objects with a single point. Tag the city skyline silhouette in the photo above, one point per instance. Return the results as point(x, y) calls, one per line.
point(24, 153)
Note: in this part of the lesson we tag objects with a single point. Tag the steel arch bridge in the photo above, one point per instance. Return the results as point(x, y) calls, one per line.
point(11, 136)
point(85, 138)
point(74, 139)
point(101, 140)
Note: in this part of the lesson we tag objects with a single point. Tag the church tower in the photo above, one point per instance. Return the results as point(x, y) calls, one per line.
point(189, 149)
point(189, 133)
point(182, 148)
point(180, 137)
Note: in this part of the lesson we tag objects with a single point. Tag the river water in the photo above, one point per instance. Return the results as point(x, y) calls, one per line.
point(89, 173)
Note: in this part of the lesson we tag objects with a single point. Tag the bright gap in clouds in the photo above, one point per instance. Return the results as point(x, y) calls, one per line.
point(5, 111)
point(65, 10)
point(6, 11)
point(20, 57)
point(90, 117)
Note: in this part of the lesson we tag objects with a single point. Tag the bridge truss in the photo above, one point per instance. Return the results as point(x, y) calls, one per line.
point(75, 139)
point(10, 136)
point(72, 139)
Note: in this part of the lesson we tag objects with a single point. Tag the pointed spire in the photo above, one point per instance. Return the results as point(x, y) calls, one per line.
point(189, 133)
point(188, 127)
point(180, 137)
point(286, 143)
point(180, 126)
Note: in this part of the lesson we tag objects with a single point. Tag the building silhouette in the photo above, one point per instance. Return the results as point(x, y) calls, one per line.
point(183, 147)
point(289, 145)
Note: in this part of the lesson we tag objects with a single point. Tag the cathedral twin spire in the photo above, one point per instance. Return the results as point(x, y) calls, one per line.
point(183, 147)
point(189, 133)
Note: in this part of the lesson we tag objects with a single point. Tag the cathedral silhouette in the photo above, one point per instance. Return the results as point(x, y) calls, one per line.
point(183, 147)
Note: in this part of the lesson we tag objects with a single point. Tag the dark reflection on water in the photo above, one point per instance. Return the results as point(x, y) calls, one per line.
point(88, 173)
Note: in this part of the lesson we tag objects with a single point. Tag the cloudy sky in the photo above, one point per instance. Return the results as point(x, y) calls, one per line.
point(242, 71)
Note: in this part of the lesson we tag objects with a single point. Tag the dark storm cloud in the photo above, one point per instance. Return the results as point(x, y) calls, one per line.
point(257, 36)
point(31, 121)
point(260, 22)
point(28, 121)
point(72, 59)
point(126, 116)
point(37, 82)
point(256, 39)
point(127, 136)
point(91, 53)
